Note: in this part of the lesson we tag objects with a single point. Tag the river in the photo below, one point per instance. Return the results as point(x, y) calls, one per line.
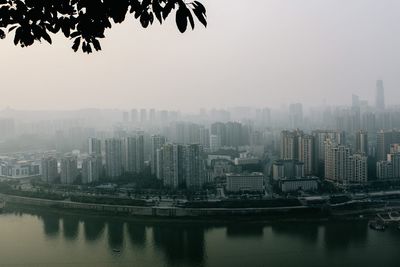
point(46, 238)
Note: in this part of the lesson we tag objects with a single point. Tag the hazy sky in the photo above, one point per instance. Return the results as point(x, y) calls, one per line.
point(258, 52)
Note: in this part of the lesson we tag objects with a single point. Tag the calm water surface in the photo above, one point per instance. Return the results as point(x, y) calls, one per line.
point(41, 238)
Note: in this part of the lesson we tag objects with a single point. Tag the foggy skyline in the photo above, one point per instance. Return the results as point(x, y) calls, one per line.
point(258, 53)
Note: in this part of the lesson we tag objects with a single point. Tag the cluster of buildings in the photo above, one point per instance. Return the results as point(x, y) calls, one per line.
point(322, 153)
point(189, 150)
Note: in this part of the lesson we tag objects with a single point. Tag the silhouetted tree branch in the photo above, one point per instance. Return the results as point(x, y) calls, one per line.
point(84, 21)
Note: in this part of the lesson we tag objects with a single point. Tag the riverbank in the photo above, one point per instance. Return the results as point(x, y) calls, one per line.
point(302, 213)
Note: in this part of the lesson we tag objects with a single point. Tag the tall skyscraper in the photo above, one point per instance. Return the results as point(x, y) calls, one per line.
point(215, 142)
point(125, 116)
point(113, 157)
point(380, 96)
point(320, 136)
point(384, 139)
point(143, 115)
point(49, 169)
point(182, 165)
point(359, 169)
point(306, 153)
point(172, 165)
point(159, 164)
point(295, 145)
point(69, 169)
point(194, 166)
point(129, 154)
point(219, 129)
point(157, 141)
point(91, 169)
point(290, 144)
point(139, 152)
point(362, 142)
point(389, 168)
point(204, 135)
point(134, 116)
point(152, 115)
point(94, 146)
point(355, 101)
point(337, 162)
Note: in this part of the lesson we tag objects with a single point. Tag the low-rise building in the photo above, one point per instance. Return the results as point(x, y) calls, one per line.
point(304, 184)
point(245, 182)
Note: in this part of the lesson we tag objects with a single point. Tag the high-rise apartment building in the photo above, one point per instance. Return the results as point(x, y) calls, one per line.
point(194, 166)
point(337, 162)
point(215, 142)
point(69, 169)
point(290, 144)
point(113, 149)
point(91, 169)
point(320, 136)
point(157, 141)
point(143, 115)
point(359, 169)
point(204, 135)
point(94, 146)
point(384, 139)
point(362, 142)
point(182, 165)
point(389, 168)
point(306, 153)
point(134, 116)
point(125, 117)
point(172, 165)
point(49, 169)
point(140, 152)
point(219, 129)
point(129, 154)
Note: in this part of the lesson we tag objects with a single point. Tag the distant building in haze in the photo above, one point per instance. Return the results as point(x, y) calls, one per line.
point(380, 96)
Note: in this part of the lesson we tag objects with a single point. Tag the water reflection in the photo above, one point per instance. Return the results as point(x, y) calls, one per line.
point(51, 224)
point(115, 234)
point(93, 228)
point(250, 230)
point(184, 243)
point(341, 235)
point(70, 227)
point(307, 232)
point(137, 234)
point(180, 242)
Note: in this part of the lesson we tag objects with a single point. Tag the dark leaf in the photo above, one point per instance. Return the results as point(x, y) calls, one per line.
point(12, 28)
point(190, 17)
point(46, 36)
point(96, 45)
point(17, 36)
point(157, 10)
point(76, 44)
point(181, 18)
point(168, 8)
point(200, 15)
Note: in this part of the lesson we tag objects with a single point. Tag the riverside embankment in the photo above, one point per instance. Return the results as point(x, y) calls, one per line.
point(158, 211)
